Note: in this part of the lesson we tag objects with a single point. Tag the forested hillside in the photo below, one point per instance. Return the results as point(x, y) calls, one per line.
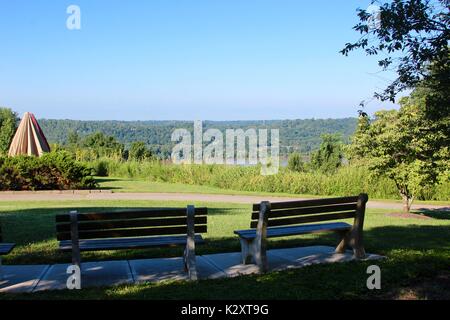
point(295, 135)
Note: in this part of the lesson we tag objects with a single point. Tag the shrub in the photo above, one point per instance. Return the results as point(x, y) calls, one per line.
point(55, 170)
point(295, 162)
point(98, 168)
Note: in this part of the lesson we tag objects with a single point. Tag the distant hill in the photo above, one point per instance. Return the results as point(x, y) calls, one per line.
point(299, 135)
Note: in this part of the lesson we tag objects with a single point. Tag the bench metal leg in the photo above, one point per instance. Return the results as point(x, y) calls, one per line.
point(190, 263)
point(255, 250)
point(1, 274)
point(351, 239)
point(343, 242)
point(76, 257)
point(358, 248)
point(248, 251)
point(354, 238)
point(260, 246)
point(357, 229)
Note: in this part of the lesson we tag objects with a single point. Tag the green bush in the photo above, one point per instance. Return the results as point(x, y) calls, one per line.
point(98, 168)
point(52, 171)
point(295, 162)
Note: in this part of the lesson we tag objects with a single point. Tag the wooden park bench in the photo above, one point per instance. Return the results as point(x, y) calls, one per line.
point(5, 248)
point(280, 219)
point(133, 229)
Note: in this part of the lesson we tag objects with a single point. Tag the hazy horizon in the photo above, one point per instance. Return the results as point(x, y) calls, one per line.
point(204, 120)
point(233, 60)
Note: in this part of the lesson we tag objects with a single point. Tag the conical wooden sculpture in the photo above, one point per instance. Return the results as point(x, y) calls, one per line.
point(29, 138)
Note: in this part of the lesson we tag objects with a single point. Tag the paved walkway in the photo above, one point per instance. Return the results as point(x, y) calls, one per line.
point(187, 197)
point(34, 278)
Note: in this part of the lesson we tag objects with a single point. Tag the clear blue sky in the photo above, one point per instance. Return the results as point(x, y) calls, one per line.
point(184, 59)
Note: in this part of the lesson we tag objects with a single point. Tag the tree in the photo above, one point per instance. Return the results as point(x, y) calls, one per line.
point(103, 145)
point(8, 127)
point(139, 151)
point(295, 162)
point(404, 145)
point(330, 154)
point(73, 138)
point(411, 35)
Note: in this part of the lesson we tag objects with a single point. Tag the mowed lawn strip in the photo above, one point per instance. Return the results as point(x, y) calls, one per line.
point(416, 249)
point(136, 185)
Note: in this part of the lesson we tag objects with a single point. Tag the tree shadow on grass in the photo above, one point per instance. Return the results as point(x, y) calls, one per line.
point(105, 179)
point(407, 264)
point(34, 232)
point(441, 213)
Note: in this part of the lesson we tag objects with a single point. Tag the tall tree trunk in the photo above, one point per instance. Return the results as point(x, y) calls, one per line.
point(407, 202)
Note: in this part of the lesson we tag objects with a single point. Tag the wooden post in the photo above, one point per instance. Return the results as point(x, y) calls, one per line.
point(260, 242)
point(189, 252)
point(76, 258)
point(356, 240)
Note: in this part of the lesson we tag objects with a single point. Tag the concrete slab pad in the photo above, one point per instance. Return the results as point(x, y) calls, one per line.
point(18, 279)
point(304, 256)
point(93, 274)
point(231, 263)
point(163, 269)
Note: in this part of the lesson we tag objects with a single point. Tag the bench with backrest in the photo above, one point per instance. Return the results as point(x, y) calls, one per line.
point(133, 229)
point(280, 219)
point(5, 248)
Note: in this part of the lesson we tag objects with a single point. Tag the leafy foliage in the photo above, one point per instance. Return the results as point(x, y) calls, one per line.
point(139, 151)
point(405, 146)
point(94, 146)
point(8, 126)
point(411, 35)
point(330, 154)
point(295, 162)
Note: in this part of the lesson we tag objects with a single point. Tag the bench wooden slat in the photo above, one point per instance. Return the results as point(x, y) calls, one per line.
point(6, 248)
point(306, 219)
point(307, 210)
point(128, 243)
point(295, 230)
point(132, 214)
point(308, 203)
point(129, 223)
point(140, 232)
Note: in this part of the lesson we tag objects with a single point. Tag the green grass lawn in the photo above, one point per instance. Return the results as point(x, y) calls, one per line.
point(140, 185)
point(417, 250)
